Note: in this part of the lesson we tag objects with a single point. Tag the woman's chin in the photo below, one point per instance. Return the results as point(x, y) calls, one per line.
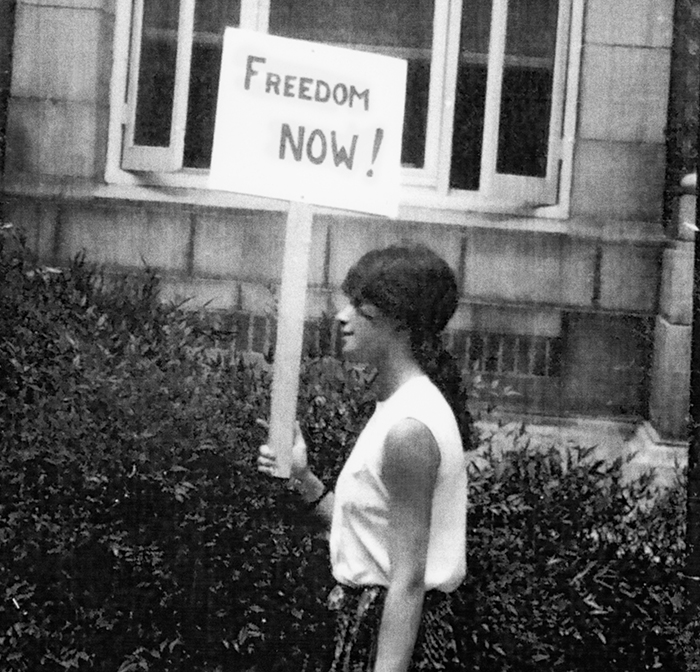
point(350, 354)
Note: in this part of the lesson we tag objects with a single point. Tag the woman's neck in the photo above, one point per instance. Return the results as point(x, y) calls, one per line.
point(392, 373)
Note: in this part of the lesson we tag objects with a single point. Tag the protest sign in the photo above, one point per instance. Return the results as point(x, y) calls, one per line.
point(309, 122)
point(312, 124)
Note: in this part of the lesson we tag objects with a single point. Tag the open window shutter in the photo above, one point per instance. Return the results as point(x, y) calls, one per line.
point(497, 182)
point(158, 87)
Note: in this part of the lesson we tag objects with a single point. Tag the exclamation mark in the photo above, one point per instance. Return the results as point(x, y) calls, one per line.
point(378, 136)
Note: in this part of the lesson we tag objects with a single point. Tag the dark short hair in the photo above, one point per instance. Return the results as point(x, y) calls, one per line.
point(411, 284)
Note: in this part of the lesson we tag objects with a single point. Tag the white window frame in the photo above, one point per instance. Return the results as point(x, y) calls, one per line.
point(424, 189)
point(160, 159)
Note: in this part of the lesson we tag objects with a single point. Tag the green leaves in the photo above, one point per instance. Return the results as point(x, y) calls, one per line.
point(135, 531)
point(569, 565)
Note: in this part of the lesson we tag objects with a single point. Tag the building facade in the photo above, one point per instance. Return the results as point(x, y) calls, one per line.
point(534, 161)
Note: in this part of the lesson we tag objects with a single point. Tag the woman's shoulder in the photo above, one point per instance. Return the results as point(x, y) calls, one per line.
point(422, 393)
point(423, 401)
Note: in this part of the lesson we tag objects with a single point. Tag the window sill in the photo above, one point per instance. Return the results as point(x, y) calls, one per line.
point(419, 200)
point(451, 211)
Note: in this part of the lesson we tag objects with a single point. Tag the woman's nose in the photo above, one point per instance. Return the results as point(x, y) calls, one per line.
point(343, 314)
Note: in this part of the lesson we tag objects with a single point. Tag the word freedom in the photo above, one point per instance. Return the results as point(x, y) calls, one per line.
point(305, 88)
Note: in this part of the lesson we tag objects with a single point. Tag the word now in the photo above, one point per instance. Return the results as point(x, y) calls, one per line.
point(316, 146)
point(305, 88)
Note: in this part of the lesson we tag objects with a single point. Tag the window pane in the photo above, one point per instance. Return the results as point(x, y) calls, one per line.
point(526, 96)
point(470, 95)
point(156, 81)
point(210, 19)
point(403, 29)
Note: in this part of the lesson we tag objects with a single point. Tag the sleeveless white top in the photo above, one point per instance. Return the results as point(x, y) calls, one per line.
point(358, 539)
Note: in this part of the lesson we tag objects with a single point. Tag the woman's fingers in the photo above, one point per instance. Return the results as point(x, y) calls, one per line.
point(267, 461)
point(266, 451)
point(266, 456)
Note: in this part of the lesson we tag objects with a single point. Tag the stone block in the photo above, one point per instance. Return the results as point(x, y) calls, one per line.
point(37, 220)
point(56, 53)
point(624, 93)
point(126, 237)
point(578, 263)
point(686, 222)
point(644, 23)
point(100, 141)
point(105, 55)
point(46, 239)
point(530, 267)
point(352, 237)
point(53, 137)
point(629, 277)
point(670, 379)
point(620, 180)
point(24, 216)
point(676, 295)
point(605, 364)
point(241, 245)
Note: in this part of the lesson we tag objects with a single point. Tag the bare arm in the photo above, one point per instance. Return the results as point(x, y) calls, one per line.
point(311, 487)
point(409, 470)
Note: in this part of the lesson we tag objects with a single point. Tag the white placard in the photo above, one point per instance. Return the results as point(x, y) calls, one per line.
point(308, 122)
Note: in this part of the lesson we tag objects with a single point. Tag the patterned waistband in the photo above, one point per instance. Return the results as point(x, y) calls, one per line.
point(343, 596)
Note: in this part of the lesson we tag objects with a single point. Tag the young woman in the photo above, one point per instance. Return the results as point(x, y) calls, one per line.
point(398, 513)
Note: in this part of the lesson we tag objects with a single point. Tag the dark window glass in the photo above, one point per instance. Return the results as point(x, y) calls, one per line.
point(470, 94)
point(210, 20)
point(526, 96)
point(156, 79)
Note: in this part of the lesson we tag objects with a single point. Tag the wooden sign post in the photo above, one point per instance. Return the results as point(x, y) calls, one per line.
point(311, 124)
point(290, 334)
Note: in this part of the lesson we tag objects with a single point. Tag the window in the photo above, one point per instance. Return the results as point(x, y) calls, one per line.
point(485, 93)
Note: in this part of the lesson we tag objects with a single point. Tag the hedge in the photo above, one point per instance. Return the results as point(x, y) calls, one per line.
point(136, 533)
